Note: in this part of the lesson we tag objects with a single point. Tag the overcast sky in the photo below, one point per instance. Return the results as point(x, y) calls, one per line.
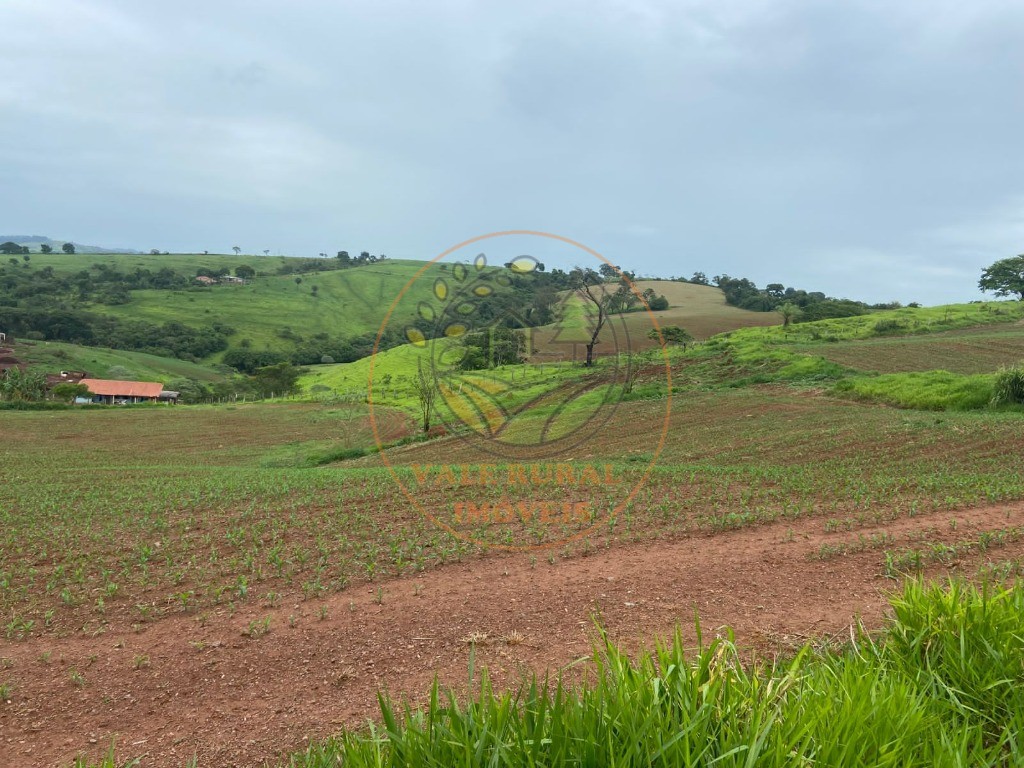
point(870, 149)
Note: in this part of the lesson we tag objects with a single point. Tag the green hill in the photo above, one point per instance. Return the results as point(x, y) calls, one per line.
point(182, 263)
point(302, 309)
point(54, 356)
point(273, 310)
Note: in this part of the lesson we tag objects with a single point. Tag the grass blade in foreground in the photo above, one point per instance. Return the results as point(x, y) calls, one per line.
point(943, 686)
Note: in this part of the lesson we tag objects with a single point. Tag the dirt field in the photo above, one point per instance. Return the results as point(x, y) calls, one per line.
point(213, 688)
point(194, 582)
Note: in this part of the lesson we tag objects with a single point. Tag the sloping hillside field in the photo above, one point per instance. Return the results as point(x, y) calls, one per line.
point(264, 565)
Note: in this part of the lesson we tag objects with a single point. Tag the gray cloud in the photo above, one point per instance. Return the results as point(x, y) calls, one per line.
point(864, 148)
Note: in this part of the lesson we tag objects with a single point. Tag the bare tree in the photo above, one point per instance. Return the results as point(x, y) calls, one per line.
point(589, 286)
point(426, 393)
point(236, 249)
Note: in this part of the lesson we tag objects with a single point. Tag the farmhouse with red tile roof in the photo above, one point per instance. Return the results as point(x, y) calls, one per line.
point(108, 391)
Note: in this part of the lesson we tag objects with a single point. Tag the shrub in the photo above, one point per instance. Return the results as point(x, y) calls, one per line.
point(888, 326)
point(1008, 387)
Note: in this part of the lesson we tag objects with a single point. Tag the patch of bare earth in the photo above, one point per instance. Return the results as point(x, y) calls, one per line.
point(230, 693)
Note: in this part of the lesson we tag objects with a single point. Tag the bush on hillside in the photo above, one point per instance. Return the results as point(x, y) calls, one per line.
point(1008, 387)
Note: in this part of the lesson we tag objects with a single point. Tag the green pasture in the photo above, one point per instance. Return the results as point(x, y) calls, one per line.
point(55, 356)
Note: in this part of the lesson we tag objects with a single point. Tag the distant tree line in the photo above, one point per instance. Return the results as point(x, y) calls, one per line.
point(797, 305)
point(13, 249)
point(345, 260)
point(77, 326)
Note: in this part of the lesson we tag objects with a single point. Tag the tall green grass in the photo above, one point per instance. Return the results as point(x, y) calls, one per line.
point(944, 685)
point(924, 390)
point(1008, 387)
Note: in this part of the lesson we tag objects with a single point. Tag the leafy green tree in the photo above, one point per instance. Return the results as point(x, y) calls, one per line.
point(699, 278)
point(245, 272)
point(248, 360)
point(790, 313)
point(68, 391)
point(672, 334)
point(1005, 277)
point(68, 247)
point(280, 379)
point(236, 249)
point(10, 248)
point(655, 302)
point(189, 390)
point(44, 248)
point(491, 347)
point(622, 299)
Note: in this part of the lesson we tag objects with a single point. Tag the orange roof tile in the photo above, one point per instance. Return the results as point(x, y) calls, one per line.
point(123, 388)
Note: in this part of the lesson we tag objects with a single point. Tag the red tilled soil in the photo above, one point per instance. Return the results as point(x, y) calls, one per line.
point(178, 687)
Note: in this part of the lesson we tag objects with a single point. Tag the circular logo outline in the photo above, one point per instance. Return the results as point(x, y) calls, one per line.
point(411, 496)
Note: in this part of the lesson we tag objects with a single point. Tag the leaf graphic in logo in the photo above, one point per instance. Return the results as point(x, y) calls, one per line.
point(441, 289)
point(523, 264)
point(474, 402)
point(415, 336)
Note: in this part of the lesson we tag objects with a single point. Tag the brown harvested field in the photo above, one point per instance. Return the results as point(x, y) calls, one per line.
point(969, 350)
point(182, 582)
point(700, 309)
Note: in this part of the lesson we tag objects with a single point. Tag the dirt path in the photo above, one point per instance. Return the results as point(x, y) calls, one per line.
point(178, 687)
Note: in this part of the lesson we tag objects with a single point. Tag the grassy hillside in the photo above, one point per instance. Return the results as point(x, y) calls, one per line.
point(700, 309)
point(305, 316)
point(935, 358)
point(271, 311)
point(938, 358)
point(185, 263)
point(981, 349)
point(907, 321)
point(54, 356)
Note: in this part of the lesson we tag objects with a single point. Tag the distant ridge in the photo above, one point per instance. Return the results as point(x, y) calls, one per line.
point(34, 241)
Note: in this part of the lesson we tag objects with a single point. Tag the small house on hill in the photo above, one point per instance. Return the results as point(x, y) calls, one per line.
point(107, 391)
point(206, 280)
